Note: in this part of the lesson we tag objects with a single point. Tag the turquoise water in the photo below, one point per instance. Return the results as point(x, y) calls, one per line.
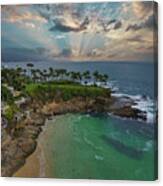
point(98, 147)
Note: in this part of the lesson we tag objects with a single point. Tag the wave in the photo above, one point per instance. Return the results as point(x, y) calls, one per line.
point(148, 145)
point(110, 84)
point(143, 103)
point(91, 144)
point(98, 157)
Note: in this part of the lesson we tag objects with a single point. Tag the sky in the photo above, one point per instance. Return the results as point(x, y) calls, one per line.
point(109, 31)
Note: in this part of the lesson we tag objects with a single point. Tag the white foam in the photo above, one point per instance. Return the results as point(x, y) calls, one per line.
point(148, 145)
point(97, 157)
point(110, 84)
point(144, 104)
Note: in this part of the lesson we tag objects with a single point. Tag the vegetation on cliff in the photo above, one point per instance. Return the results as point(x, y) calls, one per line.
point(46, 92)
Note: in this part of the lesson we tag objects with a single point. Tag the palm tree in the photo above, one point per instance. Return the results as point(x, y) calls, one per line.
point(45, 75)
point(57, 72)
point(73, 76)
point(24, 71)
point(79, 76)
point(38, 72)
point(41, 74)
point(51, 73)
point(62, 73)
point(34, 75)
point(67, 75)
point(86, 76)
point(105, 78)
point(96, 76)
point(30, 66)
point(19, 70)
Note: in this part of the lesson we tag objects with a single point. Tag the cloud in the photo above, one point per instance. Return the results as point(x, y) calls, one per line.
point(65, 52)
point(136, 38)
point(133, 27)
point(96, 52)
point(111, 25)
point(14, 14)
point(149, 23)
point(62, 26)
point(117, 25)
point(60, 36)
point(30, 25)
point(111, 21)
point(142, 9)
point(82, 31)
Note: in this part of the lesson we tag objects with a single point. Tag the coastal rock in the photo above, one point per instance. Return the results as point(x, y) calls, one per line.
point(27, 145)
point(12, 158)
point(129, 112)
point(30, 131)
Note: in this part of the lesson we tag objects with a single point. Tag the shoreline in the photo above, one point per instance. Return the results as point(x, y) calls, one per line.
point(37, 159)
point(25, 145)
point(31, 168)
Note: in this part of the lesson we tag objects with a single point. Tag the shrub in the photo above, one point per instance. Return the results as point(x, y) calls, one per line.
point(6, 95)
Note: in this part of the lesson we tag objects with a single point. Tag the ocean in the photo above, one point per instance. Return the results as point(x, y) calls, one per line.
point(104, 146)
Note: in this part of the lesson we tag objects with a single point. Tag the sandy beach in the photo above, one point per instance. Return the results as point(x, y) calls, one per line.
point(35, 165)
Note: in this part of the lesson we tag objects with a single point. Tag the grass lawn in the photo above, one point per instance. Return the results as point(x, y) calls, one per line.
point(49, 91)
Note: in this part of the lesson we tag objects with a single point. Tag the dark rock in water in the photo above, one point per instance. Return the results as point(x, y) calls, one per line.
point(99, 105)
point(122, 148)
point(129, 112)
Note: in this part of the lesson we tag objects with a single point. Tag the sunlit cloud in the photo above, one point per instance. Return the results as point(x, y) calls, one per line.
point(92, 31)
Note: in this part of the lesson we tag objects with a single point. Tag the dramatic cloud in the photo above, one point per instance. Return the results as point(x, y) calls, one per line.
point(61, 25)
point(111, 25)
point(13, 14)
point(133, 27)
point(149, 23)
point(82, 31)
point(136, 38)
point(111, 21)
point(142, 9)
point(118, 25)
